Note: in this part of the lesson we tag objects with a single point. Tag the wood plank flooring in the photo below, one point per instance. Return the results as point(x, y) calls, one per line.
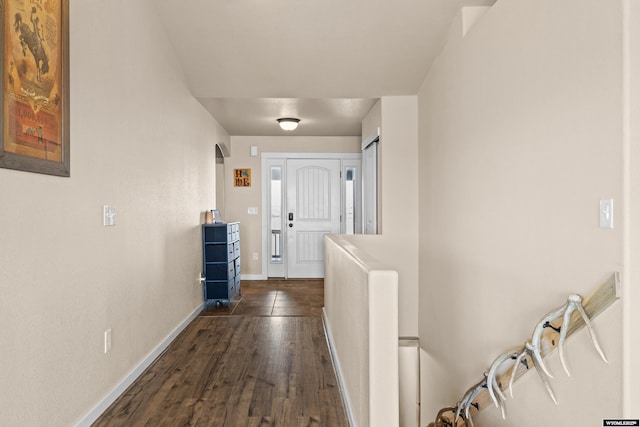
point(261, 362)
point(276, 298)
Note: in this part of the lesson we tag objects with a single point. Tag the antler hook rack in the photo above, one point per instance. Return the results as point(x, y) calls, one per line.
point(550, 333)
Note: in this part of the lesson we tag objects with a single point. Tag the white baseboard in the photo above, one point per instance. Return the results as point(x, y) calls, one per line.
point(338, 370)
point(252, 277)
point(120, 388)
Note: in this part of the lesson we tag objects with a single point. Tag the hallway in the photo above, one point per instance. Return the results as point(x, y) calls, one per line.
point(261, 362)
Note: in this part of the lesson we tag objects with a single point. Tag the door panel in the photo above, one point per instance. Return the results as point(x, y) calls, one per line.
point(309, 246)
point(313, 210)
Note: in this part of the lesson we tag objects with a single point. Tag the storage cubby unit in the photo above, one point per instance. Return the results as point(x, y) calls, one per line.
point(221, 262)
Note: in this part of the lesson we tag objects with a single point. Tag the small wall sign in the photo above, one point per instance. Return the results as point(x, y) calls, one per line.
point(242, 177)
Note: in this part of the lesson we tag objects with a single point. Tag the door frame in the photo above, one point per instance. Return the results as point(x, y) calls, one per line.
point(268, 159)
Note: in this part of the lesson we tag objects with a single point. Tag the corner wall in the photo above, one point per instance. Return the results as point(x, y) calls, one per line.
point(139, 142)
point(397, 243)
point(520, 137)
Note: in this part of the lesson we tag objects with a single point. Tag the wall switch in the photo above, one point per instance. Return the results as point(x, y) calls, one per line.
point(107, 341)
point(255, 256)
point(108, 216)
point(606, 213)
point(252, 211)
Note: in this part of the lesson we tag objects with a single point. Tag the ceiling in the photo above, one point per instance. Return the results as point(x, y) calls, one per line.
point(325, 62)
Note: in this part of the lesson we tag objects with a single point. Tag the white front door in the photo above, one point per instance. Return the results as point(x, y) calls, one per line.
point(312, 210)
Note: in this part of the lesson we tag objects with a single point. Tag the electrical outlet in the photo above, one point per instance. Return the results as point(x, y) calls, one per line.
point(255, 256)
point(107, 341)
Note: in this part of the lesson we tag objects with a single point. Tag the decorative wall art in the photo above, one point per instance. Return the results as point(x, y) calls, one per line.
point(549, 333)
point(242, 177)
point(34, 130)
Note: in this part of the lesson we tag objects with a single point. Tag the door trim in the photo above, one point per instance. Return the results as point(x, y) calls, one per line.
point(342, 156)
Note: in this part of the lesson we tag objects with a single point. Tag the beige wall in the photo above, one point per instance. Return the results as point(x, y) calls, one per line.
point(239, 199)
point(373, 120)
point(397, 118)
point(632, 212)
point(142, 143)
point(520, 137)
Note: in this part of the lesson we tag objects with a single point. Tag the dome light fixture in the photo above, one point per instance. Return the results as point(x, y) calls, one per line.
point(288, 123)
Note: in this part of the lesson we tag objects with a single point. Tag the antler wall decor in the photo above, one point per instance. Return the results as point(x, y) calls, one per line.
point(550, 333)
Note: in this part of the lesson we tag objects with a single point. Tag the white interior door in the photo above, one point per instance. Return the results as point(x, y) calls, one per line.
point(312, 210)
point(370, 186)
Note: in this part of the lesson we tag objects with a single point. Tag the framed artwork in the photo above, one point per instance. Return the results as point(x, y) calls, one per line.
point(34, 129)
point(242, 177)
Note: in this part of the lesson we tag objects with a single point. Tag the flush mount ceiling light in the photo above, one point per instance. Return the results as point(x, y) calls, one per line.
point(287, 123)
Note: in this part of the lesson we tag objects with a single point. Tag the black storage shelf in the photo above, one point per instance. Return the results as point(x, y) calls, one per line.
point(221, 262)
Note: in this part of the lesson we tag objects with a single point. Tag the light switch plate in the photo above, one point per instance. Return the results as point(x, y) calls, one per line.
point(252, 211)
point(606, 213)
point(107, 341)
point(108, 216)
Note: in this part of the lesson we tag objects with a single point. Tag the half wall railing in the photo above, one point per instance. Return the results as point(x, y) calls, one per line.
point(361, 322)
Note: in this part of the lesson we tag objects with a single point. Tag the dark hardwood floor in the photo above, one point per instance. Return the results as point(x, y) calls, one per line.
point(263, 361)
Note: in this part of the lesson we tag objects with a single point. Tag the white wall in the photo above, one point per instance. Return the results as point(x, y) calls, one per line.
point(142, 143)
point(520, 136)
